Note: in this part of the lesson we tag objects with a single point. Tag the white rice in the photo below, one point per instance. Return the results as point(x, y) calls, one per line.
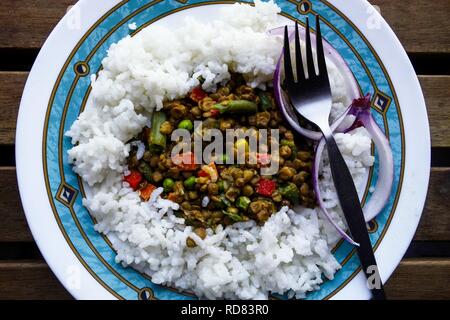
point(290, 253)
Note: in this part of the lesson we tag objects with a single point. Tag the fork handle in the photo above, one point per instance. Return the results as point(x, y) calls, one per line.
point(348, 198)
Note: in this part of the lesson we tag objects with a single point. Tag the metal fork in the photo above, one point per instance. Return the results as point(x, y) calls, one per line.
point(310, 95)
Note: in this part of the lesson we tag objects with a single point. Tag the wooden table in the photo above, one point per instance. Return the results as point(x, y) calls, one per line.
point(424, 29)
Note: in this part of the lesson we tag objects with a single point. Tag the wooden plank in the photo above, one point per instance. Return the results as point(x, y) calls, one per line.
point(421, 279)
point(14, 227)
point(29, 280)
point(434, 225)
point(11, 87)
point(421, 25)
point(436, 90)
point(413, 279)
point(435, 221)
point(26, 24)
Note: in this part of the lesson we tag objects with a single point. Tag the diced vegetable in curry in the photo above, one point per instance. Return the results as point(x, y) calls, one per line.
point(214, 193)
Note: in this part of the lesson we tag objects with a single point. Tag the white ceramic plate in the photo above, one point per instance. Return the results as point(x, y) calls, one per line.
point(58, 88)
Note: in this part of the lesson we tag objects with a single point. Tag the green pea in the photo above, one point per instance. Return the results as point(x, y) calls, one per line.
point(168, 184)
point(290, 192)
point(243, 203)
point(242, 143)
point(189, 183)
point(186, 124)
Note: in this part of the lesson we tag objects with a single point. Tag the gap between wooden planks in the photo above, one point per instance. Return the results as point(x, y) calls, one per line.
point(436, 90)
point(26, 24)
point(413, 279)
point(434, 225)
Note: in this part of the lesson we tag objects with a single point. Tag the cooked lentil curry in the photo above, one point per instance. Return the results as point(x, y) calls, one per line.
point(215, 194)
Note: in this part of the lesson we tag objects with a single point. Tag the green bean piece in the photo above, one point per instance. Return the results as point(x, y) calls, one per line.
point(189, 183)
point(146, 170)
point(237, 107)
point(186, 125)
point(168, 184)
point(225, 201)
point(266, 101)
point(157, 141)
point(221, 185)
point(243, 203)
point(233, 216)
point(290, 192)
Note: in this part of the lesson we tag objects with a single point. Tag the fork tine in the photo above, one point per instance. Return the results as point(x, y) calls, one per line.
point(287, 58)
point(309, 56)
point(320, 54)
point(298, 56)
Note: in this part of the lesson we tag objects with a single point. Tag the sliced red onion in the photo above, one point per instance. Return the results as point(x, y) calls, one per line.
point(315, 178)
point(361, 109)
point(283, 101)
point(379, 198)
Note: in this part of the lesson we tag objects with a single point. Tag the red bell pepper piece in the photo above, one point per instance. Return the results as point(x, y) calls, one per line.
point(266, 187)
point(185, 161)
point(147, 191)
point(263, 158)
point(198, 94)
point(133, 179)
point(215, 113)
point(172, 197)
point(203, 173)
